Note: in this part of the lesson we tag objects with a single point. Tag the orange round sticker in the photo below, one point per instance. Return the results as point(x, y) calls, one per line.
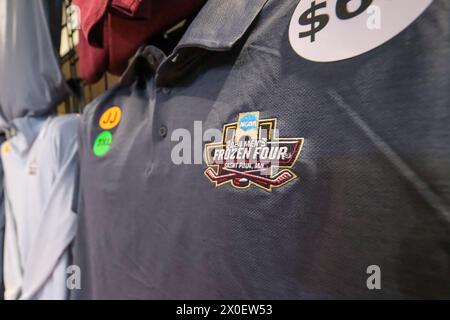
point(6, 148)
point(110, 118)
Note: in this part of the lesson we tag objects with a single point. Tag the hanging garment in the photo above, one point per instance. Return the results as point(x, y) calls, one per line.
point(235, 168)
point(39, 166)
point(112, 30)
point(31, 83)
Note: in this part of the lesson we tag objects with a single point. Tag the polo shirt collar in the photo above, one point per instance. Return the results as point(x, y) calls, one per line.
point(220, 24)
point(218, 27)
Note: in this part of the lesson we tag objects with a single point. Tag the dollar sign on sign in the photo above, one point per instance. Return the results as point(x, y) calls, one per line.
point(317, 23)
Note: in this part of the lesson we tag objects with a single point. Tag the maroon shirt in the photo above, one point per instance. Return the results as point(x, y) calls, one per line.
point(112, 30)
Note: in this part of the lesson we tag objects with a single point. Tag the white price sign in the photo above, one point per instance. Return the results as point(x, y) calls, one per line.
point(333, 30)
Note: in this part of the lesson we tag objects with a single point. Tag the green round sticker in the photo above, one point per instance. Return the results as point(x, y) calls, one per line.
point(102, 143)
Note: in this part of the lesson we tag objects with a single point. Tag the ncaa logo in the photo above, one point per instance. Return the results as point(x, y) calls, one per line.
point(248, 122)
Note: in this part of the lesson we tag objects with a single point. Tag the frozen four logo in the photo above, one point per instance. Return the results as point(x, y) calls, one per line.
point(251, 153)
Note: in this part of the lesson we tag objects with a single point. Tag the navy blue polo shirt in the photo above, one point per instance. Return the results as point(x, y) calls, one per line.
point(321, 173)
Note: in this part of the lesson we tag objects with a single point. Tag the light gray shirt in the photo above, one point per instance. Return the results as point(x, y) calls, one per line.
point(39, 164)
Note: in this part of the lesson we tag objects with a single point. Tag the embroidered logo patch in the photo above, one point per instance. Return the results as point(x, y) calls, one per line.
point(6, 148)
point(33, 168)
point(251, 153)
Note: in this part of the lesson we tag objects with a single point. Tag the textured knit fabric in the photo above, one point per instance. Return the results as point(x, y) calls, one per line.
point(371, 182)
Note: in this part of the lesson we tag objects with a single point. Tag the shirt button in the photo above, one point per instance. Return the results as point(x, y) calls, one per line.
point(162, 131)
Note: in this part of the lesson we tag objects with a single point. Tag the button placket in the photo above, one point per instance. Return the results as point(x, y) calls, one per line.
point(162, 131)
